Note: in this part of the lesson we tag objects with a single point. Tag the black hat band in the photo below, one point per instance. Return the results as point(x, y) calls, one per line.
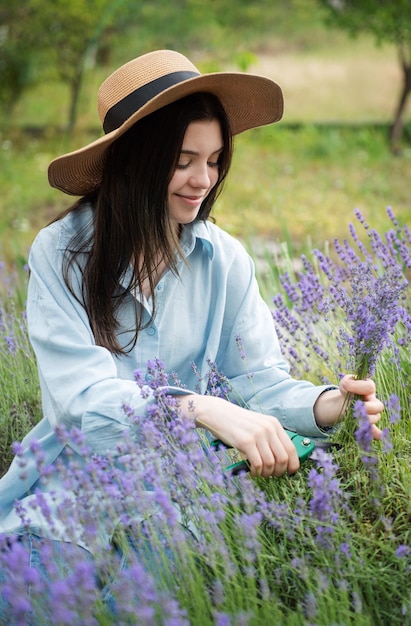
point(120, 112)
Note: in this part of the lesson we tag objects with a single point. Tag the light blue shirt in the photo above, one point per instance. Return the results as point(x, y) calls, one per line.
point(199, 315)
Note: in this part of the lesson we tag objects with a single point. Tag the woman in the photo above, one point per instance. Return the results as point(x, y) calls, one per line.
point(135, 270)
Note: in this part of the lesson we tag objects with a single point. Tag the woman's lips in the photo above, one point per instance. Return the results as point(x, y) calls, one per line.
point(192, 200)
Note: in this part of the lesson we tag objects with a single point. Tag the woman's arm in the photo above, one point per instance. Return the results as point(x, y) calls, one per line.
point(261, 438)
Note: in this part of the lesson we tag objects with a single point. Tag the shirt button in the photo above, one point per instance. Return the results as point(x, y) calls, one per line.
point(151, 331)
point(159, 286)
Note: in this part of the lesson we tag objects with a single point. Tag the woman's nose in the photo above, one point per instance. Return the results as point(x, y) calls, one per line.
point(200, 177)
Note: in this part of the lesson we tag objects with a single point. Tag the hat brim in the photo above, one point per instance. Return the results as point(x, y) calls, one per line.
point(249, 101)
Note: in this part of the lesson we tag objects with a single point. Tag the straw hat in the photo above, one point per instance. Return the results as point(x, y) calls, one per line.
point(148, 83)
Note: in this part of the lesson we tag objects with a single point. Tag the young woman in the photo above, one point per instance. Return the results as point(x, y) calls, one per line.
point(136, 270)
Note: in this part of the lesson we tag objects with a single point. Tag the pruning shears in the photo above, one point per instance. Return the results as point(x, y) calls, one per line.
point(304, 445)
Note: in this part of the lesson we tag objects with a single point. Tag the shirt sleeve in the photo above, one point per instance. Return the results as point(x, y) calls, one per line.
point(253, 362)
point(79, 379)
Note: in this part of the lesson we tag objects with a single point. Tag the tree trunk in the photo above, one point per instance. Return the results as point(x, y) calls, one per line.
point(75, 86)
point(397, 127)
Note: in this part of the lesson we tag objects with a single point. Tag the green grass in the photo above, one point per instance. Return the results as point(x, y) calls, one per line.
point(20, 404)
point(307, 180)
point(287, 182)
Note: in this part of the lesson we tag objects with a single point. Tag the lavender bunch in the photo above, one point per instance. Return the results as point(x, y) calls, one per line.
point(373, 301)
point(373, 310)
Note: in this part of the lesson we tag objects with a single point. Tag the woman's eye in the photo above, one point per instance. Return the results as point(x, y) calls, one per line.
point(184, 166)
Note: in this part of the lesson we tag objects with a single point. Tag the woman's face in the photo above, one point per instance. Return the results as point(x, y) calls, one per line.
point(197, 170)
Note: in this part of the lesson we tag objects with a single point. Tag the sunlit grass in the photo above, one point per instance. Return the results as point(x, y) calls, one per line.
point(307, 180)
point(287, 182)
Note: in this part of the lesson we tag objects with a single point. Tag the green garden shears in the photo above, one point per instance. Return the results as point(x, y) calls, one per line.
point(304, 445)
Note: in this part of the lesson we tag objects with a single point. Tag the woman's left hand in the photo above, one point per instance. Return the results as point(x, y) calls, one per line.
point(366, 389)
point(329, 408)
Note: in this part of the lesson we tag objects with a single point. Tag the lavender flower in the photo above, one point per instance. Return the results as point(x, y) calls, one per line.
point(387, 445)
point(260, 542)
point(363, 433)
point(11, 344)
point(393, 407)
point(403, 551)
point(364, 439)
point(218, 383)
point(327, 500)
point(310, 606)
point(373, 312)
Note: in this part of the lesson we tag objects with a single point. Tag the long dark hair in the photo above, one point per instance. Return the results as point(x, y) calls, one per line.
point(131, 216)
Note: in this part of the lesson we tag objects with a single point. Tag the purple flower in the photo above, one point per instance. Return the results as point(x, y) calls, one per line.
point(222, 619)
point(310, 606)
point(327, 500)
point(19, 577)
point(373, 311)
point(11, 344)
point(18, 448)
point(357, 603)
point(393, 408)
point(386, 440)
point(403, 551)
point(363, 433)
point(364, 439)
point(218, 384)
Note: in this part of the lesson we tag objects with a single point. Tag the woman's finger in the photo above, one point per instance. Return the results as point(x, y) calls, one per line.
point(349, 384)
point(267, 460)
point(373, 409)
point(376, 432)
point(293, 462)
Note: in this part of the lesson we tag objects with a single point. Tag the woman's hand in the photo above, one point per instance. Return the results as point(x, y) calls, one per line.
point(329, 406)
point(365, 388)
point(261, 438)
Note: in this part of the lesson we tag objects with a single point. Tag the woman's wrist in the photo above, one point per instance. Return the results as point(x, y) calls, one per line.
point(328, 408)
point(193, 407)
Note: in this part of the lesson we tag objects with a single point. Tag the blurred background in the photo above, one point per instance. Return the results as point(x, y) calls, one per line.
point(344, 142)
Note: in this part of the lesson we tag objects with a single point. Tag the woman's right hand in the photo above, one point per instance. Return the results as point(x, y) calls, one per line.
point(261, 438)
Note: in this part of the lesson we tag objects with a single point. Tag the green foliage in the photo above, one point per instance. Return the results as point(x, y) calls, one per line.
point(59, 39)
point(15, 72)
point(20, 394)
point(15, 54)
point(386, 20)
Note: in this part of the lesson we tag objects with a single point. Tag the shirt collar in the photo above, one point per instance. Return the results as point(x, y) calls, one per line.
point(196, 231)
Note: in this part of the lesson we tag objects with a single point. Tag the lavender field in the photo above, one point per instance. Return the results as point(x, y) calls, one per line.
point(330, 545)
